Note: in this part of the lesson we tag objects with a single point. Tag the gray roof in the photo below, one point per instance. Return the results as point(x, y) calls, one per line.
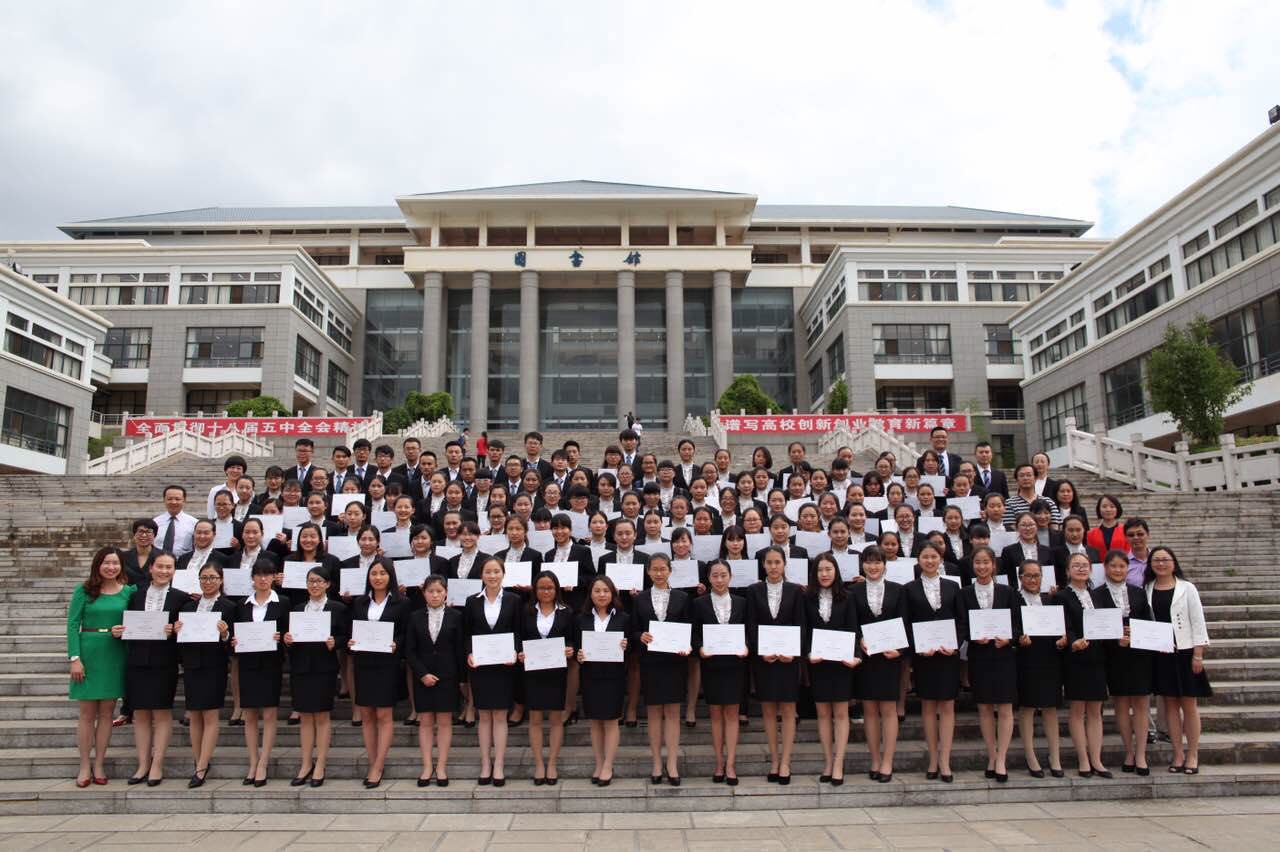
point(234, 215)
point(575, 187)
point(895, 213)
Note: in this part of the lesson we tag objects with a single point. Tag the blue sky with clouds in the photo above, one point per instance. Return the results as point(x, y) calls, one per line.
point(1092, 109)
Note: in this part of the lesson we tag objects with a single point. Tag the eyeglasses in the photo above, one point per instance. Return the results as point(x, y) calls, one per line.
point(212, 578)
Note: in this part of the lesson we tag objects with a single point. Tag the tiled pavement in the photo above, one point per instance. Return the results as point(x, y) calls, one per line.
point(1231, 823)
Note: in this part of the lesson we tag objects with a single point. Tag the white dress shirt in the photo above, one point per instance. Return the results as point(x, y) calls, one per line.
point(184, 526)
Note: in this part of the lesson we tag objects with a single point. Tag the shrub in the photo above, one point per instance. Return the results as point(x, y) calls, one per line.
point(745, 394)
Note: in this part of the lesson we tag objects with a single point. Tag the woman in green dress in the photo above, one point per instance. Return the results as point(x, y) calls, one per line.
point(97, 658)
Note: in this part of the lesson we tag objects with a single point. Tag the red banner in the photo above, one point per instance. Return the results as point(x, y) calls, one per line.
point(263, 427)
point(789, 423)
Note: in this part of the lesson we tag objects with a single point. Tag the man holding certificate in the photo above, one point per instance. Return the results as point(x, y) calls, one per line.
point(663, 673)
point(992, 615)
point(719, 620)
point(936, 665)
point(774, 602)
point(832, 623)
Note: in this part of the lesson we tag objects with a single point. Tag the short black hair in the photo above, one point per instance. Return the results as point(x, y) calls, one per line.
point(362, 444)
point(936, 429)
point(305, 442)
point(172, 487)
point(497, 444)
point(534, 434)
point(274, 470)
point(235, 461)
point(571, 443)
point(684, 441)
point(341, 448)
point(628, 435)
point(384, 450)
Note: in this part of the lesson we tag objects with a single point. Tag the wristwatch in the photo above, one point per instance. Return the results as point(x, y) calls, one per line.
point(74, 659)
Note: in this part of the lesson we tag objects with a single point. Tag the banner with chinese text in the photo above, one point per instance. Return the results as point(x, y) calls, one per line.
point(265, 427)
point(737, 424)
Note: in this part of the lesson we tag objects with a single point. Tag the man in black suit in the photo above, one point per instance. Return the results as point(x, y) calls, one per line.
point(408, 472)
point(687, 468)
point(453, 454)
point(990, 478)
point(493, 461)
point(382, 463)
point(533, 455)
point(629, 440)
point(303, 450)
point(342, 470)
point(573, 450)
point(938, 439)
point(509, 480)
point(361, 467)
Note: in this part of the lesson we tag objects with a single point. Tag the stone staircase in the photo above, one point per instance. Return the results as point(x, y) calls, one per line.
point(1226, 544)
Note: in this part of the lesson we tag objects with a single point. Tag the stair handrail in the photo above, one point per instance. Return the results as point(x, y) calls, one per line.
point(139, 454)
point(870, 437)
point(694, 426)
point(716, 431)
point(429, 428)
point(369, 429)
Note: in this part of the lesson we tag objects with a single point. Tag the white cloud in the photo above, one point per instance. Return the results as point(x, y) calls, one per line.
point(1031, 106)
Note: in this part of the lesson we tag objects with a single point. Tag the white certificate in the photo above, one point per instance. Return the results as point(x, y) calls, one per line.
point(382, 520)
point(295, 516)
point(144, 626)
point(542, 654)
point(938, 483)
point(781, 640)
point(411, 573)
point(1098, 574)
point(1151, 635)
point(396, 545)
point(872, 526)
point(833, 645)
point(1043, 621)
point(653, 548)
point(792, 509)
point(342, 547)
point(518, 574)
point(339, 502)
point(684, 574)
point(881, 636)
point(1103, 623)
point(1002, 538)
point(627, 578)
point(970, 507)
point(848, 563)
point(724, 639)
point(875, 504)
point(447, 551)
point(1002, 579)
point(706, 547)
point(373, 636)
point(272, 525)
point(926, 524)
point(237, 582)
point(295, 574)
point(756, 542)
point(900, 570)
point(199, 627)
point(932, 635)
point(566, 573)
point(310, 626)
point(460, 590)
point(669, 637)
point(603, 647)
point(744, 573)
point(253, 637)
point(990, 624)
point(492, 543)
point(352, 581)
point(222, 534)
point(814, 542)
point(797, 571)
point(494, 650)
point(581, 524)
point(541, 540)
point(187, 580)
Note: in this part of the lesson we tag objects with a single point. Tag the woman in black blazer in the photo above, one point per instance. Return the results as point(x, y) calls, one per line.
point(876, 599)
point(993, 666)
point(603, 684)
point(202, 551)
point(829, 607)
point(1027, 546)
point(151, 676)
point(1039, 660)
point(224, 505)
point(1129, 670)
point(775, 602)
point(516, 529)
point(204, 668)
point(936, 670)
point(575, 596)
point(378, 674)
point(313, 675)
point(493, 687)
point(260, 671)
point(724, 676)
point(435, 650)
point(546, 617)
point(1085, 670)
point(662, 675)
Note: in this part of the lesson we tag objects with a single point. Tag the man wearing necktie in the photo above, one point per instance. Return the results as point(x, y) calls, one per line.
point(990, 478)
point(175, 525)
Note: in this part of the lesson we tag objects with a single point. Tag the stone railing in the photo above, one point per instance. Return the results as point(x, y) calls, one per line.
point(370, 429)
point(427, 428)
point(1228, 468)
point(694, 426)
point(868, 439)
point(140, 454)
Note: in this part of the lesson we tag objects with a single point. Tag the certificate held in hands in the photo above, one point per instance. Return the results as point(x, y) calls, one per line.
point(669, 637)
point(373, 636)
point(1103, 623)
point(497, 649)
point(628, 578)
point(603, 647)
point(310, 626)
point(1151, 635)
point(541, 654)
point(199, 627)
point(833, 645)
point(990, 624)
point(255, 637)
point(778, 640)
point(1043, 621)
point(881, 636)
point(935, 635)
point(721, 640)
point(144, 626)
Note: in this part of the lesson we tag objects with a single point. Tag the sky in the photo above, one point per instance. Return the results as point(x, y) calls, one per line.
point(1088, 109)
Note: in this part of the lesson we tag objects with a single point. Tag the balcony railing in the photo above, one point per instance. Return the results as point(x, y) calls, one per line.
point(913, 359)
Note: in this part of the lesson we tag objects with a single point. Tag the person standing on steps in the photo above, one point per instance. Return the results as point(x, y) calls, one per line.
point(204, 668)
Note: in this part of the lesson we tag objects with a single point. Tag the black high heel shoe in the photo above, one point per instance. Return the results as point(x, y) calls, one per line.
point(135, 780)
point(571, 719)
point(197, 778)
point(301, 780)
point(634, 723)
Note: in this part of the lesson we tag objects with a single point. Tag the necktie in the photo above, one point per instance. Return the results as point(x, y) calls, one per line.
point(986, 479)
point(337, 483)
point(168, 535)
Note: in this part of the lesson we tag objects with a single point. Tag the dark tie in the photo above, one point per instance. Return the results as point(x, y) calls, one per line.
point(986, 479)
point(337, 483)
point(168, 535)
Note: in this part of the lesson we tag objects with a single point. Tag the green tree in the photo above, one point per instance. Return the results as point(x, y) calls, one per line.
point(417, 406)
point(1190, 378)
point(838, 397)
point(259, 406)
point(745, 394)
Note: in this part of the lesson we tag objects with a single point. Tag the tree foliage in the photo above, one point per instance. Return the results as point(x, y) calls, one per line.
point(418, 406)
point(838, 397)
point(258, 406)
point(745, 394)
point(1190, 378)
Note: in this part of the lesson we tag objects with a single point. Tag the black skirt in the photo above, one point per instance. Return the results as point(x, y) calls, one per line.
point(151, 687)
point(724, 679)
point(1084, 674)
point(1128, 670)
point(993, 673)
point(205, 688)
point(663, 678)
point(1173, 677)
point(1039, 673)
point(441, 698)
point(313, 692)
point(378, 684)
point(878, 678)
point(494, 687)
point(776, 681)
point(604, 689)
point(260, 687)
point(937, 677)
point(831, 681)
point(545, 689)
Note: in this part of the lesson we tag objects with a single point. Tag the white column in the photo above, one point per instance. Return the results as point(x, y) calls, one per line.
point(479, 405)
point(530, 341)
point(432, 308)
point(626, 343)
point(721, 332)
point(675, 350)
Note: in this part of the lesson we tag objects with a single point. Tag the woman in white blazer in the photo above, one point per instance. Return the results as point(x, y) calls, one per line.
point(1179, 678)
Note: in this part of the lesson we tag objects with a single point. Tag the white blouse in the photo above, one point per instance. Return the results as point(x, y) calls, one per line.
point(986, 593)
point(435, 620)
point(824, 604)
point(722, 605)
point(932, 591)
point(875, 596)
point(773, 591)
point(492, 609)
point(1032, 600)
point(260, 609)
point(1120, 596)
point(155, 598)
point(376, 609)
point(660, 598)
point(545, 621)
point(206, 604)
point(598, 624)
point(1082, 595)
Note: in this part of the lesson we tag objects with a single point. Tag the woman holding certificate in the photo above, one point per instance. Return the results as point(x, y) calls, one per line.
point(604, 682)
point(487, 616)
point(1179, 678)
point(876, 600)
point(663, 671)
point(993, 667)
point(774, 602)
point(936, 661)
point(260, 670)
point(434, 649)
point(378, 677)
point(830, 611)
point(546, 618)
point(1039, 661)
point(1084, 672)
point(204, 666)
point(313, 670)
point(1128, 668)
point(723, 674)
point(97, 658)
point(151, 671)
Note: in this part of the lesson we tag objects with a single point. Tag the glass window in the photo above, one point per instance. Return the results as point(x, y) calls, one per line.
point(911, 344)
point(578, 367)
point(504, 359)
point(1123, 392)
point(224, 347)
point(336, 385)
point(1055, 410)
point(816, 387)
point(306, 363)
point(33, 342)
point(35, 424)
point(764, 340)
point(128, 347)
point(393, 348)
point(1001, 347)
point(908, 285)
point(1140, 304)
point(651, 357)
point(216, 399)
point(835, 359)
point(308, 302)
point(915, 398)
point(111, 400)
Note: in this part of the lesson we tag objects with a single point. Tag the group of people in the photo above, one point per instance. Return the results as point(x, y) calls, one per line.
point(812, 590)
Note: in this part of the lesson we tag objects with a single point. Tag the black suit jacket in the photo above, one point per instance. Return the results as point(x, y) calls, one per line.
point(1005, 598)
point(314, 657)
point(894, 606)
point(642, 614)
point(475, 624)
point(474, 573)
point(918, 609)
point(562, 626)
point(790, 611)
point(397, 612)
point(580, 554)
point(620, 623)
point(446, 656)
point(155, 652)
point(844, 616)
point(139, 575)
point(1060, 557)
point(215, 558)
point(1138, 605)
point(1011, 558)
point(703, 613)
point(207, 655)
point(999, 483)
point(278, 612)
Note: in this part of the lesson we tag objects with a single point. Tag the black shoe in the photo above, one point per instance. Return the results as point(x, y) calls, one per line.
point(500, 782)
point(824, 779)
point(772, 778)
point(442, 782)
point(783, 780)
point(604, 782)
point(301, 780)
point(931, 776)
point(571, 719)
point(837, 782)
point(595, 779)
point(717, 779)
point(411, 723)
point(470, 724)
point(1128, 767)
point(197, 778)
point(135, 780)
point(873, 775)
point(261, 783)
point(632, 724)
point(885, 779)
point(356, 723)
point(1036, 773)
point(990, 773)
point(248, 782)
point(655, 779)
point(424, 782)
point(1143, 771)
point(732, 782)
point(155, 782)
point(538, 782)
point(485, 780)
point(1057, 773)
point(1103, 773)
point(551, 782)
point(946, 779)
point(184, 722)
point(1002, 777)
point(295, 720)
point(692, 724)
point(674, 780)
point(1086, 773)
point(317, 782)
point(1173, 770)
point(371, 785)
point(236, 723)
point(1192, 770)
point(515, 723)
